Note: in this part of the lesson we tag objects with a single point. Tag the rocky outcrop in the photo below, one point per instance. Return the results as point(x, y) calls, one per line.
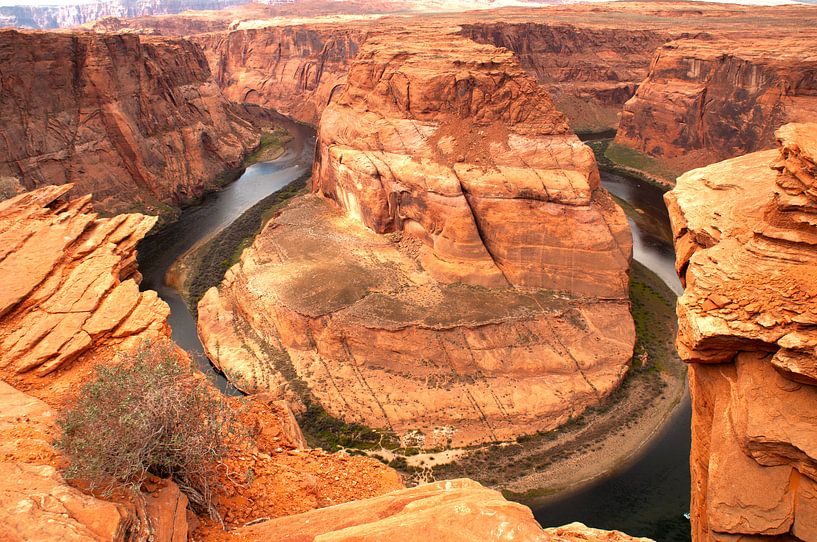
point(589, 72)
point(454, 510)
point(137, 121)
point(69, 290)
point(292, 69)
point(746, 246)
point(459, 276)
point(710, 99)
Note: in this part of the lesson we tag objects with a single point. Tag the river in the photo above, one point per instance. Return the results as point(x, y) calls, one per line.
point(217, 210)
point(647, 496)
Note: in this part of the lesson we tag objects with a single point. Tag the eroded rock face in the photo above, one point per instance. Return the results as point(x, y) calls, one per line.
point(589, 72)
point(69, 289)
point(458, 277)
point(454, 510)
point(293, 69)
point(746, 248)
point(135, 120)
point(710, 99)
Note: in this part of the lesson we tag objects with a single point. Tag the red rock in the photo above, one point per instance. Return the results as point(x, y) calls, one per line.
point(458, 510)
point(469, 280)
point(745, 234)
point(709, 99)
point(68, 287)
point(133, 120)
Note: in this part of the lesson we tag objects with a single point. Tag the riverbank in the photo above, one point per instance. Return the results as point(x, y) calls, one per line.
point(205, 263)
point(616, 158)
point(596, 442)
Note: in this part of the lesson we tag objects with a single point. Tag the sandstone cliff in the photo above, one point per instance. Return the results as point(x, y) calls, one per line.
point(292, 69)
point(589, 72)
point(746, 250)
point(709, 99)
point(133, 120)
point(469, 281)
point(69, 290)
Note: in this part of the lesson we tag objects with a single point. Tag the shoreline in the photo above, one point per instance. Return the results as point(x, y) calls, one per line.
point(590, 447)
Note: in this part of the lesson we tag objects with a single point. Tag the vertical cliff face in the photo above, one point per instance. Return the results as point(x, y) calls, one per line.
point(709, 99)
point(293, 69)
point(747, 248)
point(458, 275)
point(133, 120)
point(464, 153)
point(589, 72)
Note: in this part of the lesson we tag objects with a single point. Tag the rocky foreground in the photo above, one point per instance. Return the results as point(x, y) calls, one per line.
point(458, 276)
point(747, 248)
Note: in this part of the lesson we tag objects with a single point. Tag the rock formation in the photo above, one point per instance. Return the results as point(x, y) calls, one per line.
point(69, 289)
point(746, 242)
point(706, 100)
point(461, 278)
point(444, 511)
point(137, 121)
point(589, 72)
point(292, 69)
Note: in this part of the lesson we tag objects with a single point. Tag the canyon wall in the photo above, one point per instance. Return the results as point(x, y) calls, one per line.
point(589, 72)
point(292, 69)
point(709, 99)
point(137, 121)
point(458, 276)
point(746, 249)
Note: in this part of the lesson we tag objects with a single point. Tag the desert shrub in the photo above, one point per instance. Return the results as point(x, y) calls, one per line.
point(149, 414)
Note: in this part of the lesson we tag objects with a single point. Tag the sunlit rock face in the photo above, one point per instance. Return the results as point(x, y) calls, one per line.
point(457, 275)
point(453, 510)
point(708, 99)
point(133, 120)
point(746, 242)
point(69, 290)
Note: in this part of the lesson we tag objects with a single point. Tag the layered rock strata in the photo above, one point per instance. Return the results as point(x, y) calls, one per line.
point(706, 100)
point(292, 69)
point(137, 121)
point(746, 243)
point(459, 276)
point(69, 289)
point(445, 511)
point(589, 72)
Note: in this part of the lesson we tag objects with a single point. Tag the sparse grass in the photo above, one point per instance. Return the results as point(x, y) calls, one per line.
point(269, 148)
point(633, 160)
point(209, 262)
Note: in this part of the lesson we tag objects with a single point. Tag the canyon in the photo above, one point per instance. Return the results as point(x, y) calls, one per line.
point(456, 274)
point(409, 293)
point(136, 121)
point(745, 242)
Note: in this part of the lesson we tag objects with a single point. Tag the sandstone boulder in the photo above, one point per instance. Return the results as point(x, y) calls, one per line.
point(69, 289)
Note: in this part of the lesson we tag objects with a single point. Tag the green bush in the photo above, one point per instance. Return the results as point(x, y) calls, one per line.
point(149, 414)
